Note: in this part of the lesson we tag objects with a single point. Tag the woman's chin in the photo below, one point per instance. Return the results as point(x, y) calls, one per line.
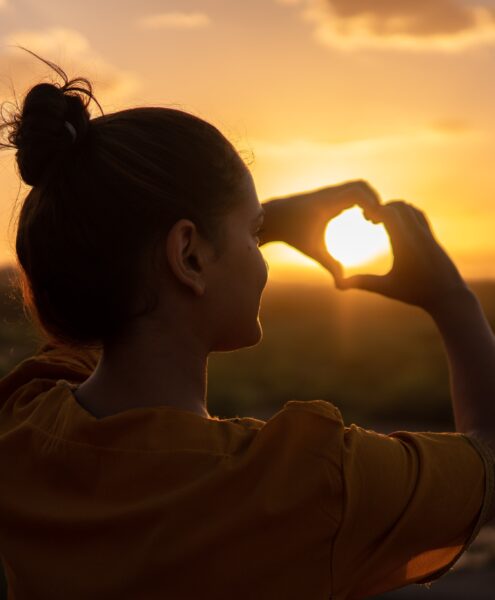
point(257, 336)
point(241, 341)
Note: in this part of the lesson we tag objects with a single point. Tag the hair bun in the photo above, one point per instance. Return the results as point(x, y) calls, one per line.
point(42, 137)
point(53, 121)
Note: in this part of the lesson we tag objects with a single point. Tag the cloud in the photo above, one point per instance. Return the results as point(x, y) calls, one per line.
point(73, 52)
point(407, 24)
point(451, 126)
point(440, 134)
point(310, 148)
point(174, 20)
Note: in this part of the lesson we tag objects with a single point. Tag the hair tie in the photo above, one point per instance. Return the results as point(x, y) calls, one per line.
point(72, 130)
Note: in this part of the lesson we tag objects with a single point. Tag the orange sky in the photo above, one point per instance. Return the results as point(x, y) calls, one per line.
point(319, 90)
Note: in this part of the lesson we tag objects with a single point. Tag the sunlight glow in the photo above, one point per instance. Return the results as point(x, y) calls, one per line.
point(353, 240)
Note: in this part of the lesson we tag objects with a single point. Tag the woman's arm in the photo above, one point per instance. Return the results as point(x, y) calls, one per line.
point(470, 347)
point(424, 275)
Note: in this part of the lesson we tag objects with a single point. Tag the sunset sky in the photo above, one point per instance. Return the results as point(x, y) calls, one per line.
point(399, 92)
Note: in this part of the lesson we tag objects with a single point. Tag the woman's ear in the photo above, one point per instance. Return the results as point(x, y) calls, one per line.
point(186, 255)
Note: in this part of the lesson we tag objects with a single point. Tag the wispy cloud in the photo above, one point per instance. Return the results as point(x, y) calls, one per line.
point(408, 24)
point(440, 132)
point(73, 52)
point(452, 126)
point(175, 20)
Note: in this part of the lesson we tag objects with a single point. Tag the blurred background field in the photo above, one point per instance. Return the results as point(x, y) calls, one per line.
point(381, 362)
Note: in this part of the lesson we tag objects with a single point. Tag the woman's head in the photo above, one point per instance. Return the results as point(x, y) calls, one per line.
point(106, 193)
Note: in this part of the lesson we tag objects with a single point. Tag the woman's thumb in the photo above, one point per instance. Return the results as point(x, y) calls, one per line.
point(330, 263)
point(371, 283)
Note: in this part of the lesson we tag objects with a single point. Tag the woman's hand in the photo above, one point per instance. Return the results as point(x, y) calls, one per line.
point(422, 273)
point(301, 220)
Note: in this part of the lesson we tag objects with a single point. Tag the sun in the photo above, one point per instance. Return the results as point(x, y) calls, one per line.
point(354, 241)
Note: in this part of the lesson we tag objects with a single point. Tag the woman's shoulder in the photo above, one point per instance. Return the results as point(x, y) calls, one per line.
point(323, 408)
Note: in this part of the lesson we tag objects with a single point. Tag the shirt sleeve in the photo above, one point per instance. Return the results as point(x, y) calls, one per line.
point(412, 504)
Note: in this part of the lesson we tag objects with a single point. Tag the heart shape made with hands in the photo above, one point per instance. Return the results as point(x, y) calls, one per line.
point(358, 243)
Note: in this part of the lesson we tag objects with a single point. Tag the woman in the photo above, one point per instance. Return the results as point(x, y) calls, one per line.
point(138, 249)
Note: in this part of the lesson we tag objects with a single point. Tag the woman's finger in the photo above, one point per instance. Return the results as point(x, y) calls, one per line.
point(380, 284)
point(393, 216)
point(330, 263)
point(422, 220)
point(358, 192)
point(334, 199)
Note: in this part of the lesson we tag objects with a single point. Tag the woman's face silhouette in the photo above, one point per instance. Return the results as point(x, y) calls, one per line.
point(241, 274)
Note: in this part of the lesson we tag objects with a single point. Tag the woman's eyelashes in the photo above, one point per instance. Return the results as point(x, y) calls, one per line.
point(257, 234)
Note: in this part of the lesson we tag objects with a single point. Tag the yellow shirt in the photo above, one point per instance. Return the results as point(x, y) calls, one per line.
point(162, 503)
